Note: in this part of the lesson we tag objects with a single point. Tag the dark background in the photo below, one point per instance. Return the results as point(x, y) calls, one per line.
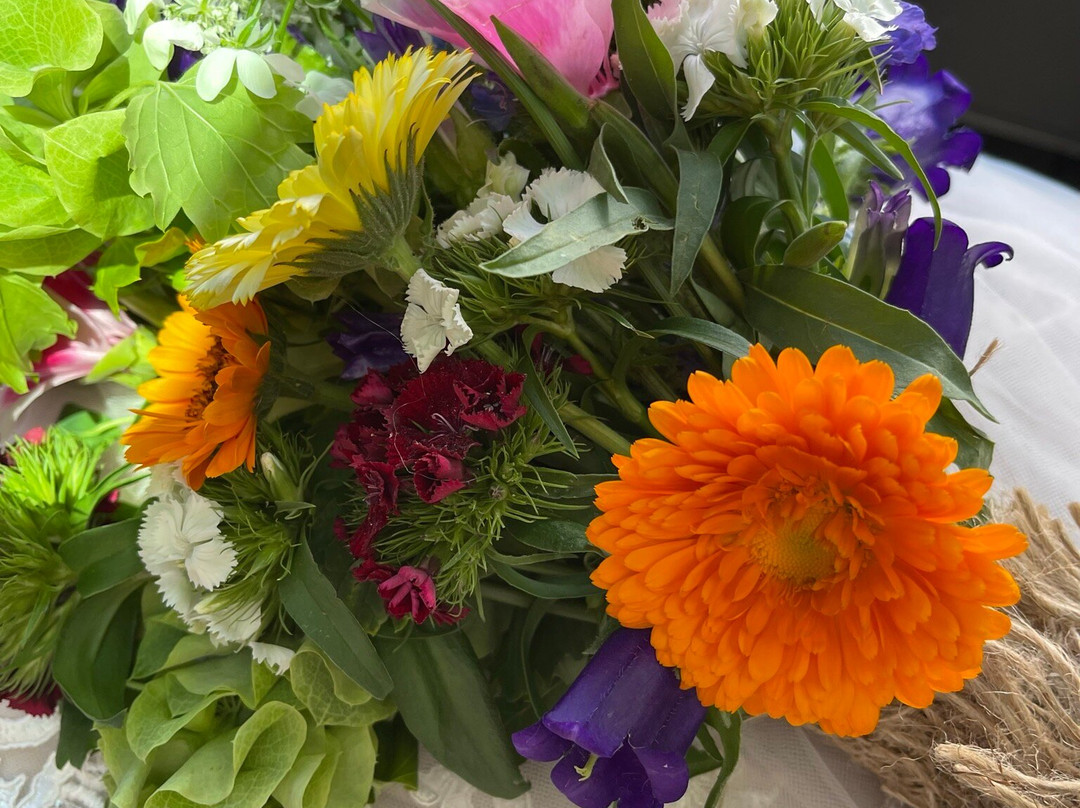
point(1021, 60)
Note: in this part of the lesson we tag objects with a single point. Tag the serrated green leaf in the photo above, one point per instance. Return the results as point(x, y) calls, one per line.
point(30, 321)
point(444, 699)
point(814, 244)
point(702, 331)
point(701, 175)
point(599, 222)
point(812, 312)
point(88, 162)
point(311, 601)
point(215, 161)
point(647, 65)
point(44, 35)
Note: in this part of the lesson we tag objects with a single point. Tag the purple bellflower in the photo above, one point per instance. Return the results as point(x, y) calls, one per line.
point(938, 285)
point(388, 37)
point(620, 733)
point(369, 341)
point(924, 110)
point(878, 240)
point(911, 34)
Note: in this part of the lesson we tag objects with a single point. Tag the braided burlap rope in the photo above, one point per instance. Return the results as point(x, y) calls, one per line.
point(1011, 738)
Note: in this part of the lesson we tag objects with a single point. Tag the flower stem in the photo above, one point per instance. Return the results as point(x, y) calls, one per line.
point(594, 429)
point(283, 26)
point(326, 394)
point(402, 259)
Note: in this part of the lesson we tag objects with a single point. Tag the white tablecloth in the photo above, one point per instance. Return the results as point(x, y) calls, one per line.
point(1032, 385)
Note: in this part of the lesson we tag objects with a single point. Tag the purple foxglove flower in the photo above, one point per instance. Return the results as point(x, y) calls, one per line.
point(369, 341)
point(620, 733)
point(924, 110)
point(938, 285)
point(388, 37)
point(911, 34)
point(63, 365)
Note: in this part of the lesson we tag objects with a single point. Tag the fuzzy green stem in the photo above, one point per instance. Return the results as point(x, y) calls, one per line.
point(501, 593)
point(402, 259)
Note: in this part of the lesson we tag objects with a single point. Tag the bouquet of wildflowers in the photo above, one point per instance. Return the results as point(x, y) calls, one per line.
point(551, 380)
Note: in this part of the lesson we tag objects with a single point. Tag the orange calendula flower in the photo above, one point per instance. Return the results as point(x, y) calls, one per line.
point(794, 543)
point(201, 408)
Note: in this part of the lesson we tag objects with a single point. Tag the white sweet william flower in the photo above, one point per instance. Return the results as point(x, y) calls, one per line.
point(867, 17)
point(230, 623)
point(254, 70)
point(497, 199)
point(181, 545)
point(273, 656)
point(554, 194)
point(433, 321)
point(691, 28)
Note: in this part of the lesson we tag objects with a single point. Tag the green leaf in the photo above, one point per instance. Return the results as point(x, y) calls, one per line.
point(330, 696)
point(701, 175)
point(975, 449)
point(842, 108)
point(646, 63)
point(93, 654)
point(812, 312)
point(727, 140)
point(548, 83)
point(445, 702)
point(740, 227)
point(40, 249)
point(88, 162)
point(603, 171)
point(814, 244)
point(549, 587)
point(103, 557)
point(635, 155)
point(29, 197)
point(832, 187)
point(311, 601)
point(521, 90)
point(858, 140)
point(126, 362)
point(539, 398)
point(30, 321)
point(77, 737)
point(729, 727)
point(166, 643)
point(118, 267)
point(216, 161)
point(168, 245)
point(44, 35)
point(22, 134)
point(398, 754)
point(706, 333)
point(553, 535)
point(601, 221)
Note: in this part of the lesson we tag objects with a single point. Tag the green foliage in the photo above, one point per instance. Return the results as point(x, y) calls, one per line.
point(445, 701)
point(225, 731)
point(43, 36)
point(88, 162)
point(647, 66)
point(215, 161)
point(701, 176)
point(30, 321)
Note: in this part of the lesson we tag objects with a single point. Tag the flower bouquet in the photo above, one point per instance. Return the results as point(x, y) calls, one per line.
point(549, 380)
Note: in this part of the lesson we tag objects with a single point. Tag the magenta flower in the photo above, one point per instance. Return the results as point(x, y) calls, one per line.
point(574, 35)
point(68, 361)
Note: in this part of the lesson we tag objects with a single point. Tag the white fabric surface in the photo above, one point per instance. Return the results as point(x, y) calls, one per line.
point(1032, 385)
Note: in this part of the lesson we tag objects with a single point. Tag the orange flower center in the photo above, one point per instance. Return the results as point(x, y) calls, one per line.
point(792, 550)
point(207, 369)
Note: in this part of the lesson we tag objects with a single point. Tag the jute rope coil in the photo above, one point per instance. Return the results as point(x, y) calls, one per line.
point(1011, 738)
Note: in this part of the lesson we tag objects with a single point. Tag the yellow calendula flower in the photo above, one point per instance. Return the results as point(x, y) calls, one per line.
point(378, 132)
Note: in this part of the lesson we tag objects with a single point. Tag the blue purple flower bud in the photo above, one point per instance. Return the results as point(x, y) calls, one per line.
point(369, 341)
point(621, 732)
point(910, 36)
point(388, 37)
point(937, 284)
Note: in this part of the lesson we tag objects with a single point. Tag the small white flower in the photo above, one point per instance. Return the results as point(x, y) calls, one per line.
point(209, 564)
point(254, 70)
point(160, 37)
point(273, 656)
point(230, 623)
point(556, 193)
point(134, 9)
point(497, 199)
point(432, 319)
point(691, 28)
point(867, 17)
point(166, 480)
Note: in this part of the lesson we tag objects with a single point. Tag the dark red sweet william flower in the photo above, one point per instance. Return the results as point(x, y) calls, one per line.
point(437, 476)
